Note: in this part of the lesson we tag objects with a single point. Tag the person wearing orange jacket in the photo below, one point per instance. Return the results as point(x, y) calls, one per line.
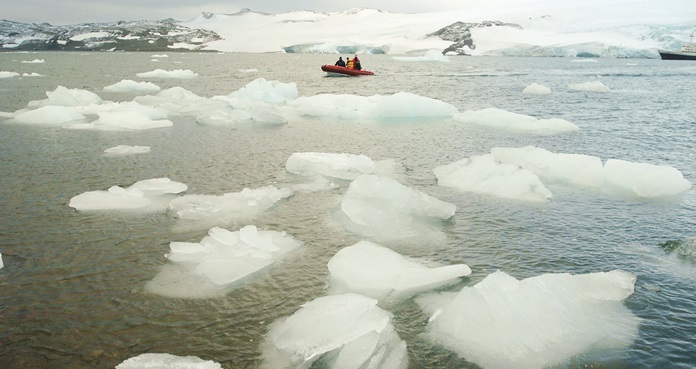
point(349, 63)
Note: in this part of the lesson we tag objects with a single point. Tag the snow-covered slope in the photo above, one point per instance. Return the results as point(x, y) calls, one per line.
point(598, 28)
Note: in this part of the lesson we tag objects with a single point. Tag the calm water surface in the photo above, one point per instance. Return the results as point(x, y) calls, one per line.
point(72, 289)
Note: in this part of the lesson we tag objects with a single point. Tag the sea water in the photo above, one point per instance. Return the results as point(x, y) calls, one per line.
point(72, 289)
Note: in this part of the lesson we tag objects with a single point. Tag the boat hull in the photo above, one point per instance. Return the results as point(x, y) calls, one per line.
point(676, 55)
point(343, 71)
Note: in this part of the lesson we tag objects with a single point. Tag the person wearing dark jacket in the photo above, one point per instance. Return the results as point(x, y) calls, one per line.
point(340, 62)
point(356, 63)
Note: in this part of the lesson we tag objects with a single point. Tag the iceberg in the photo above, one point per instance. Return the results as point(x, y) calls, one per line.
point(167, 361)
point(334, 165)
point(63, 96)
point(49, 115)
point(378, 272)
point(220, 261)
point(538, 322)
point(404, 106)
point(571, 169)
point(149, 194)
point(502, 119)
point(6, 74)
point(130, 86)
point(176, 73)
point(376, 205)
point(485, 175)
point(536, 89)
point(237, 205)
point(124, 150)
point(643, 180)
point(346, 331)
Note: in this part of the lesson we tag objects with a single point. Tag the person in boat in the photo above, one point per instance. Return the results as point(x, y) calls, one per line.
point(356, 63)
point(340, 62)
point(349, 63)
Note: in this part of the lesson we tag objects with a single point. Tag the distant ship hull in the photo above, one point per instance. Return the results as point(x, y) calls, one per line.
point(676, 55)
point(343, 71)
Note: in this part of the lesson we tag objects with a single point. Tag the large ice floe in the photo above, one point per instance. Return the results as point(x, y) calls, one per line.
point(167, 361)
point(125, 150)
point(219, 262)
point(505, 120)
point(485, 175)
point(333, 165)
point(176, 73)
point(257, 103)
point(346, 331)
point(242, 205)
point(541, 321)
point(619, 177)
point(380, 206)
point(130, 86)
point(150, 195)
point(401, 106)
point(381, 273)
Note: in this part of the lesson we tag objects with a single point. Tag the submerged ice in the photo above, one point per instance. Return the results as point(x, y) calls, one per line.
point(541, 321)
point(346, 331)
point(150, 194)
point(502, 119)
point(378, 272)
point(333, 165)
point(219, 261)
point(377, 205)
point(167, 361)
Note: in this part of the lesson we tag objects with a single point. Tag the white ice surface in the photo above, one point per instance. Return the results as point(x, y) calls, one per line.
point(333, 165)
point(150, 194)
point(381, 273)
point(167, 361)
point(541, 321)
point(346, 331)
point(505, 120)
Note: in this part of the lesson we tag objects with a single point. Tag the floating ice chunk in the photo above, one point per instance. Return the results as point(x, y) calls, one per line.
point(159, 186)
point(63, 96)
point(343, 331)
point(334, 165)
point(130, 86)
point(159, 56)
point(5, 74)
point(167, 361)
point(537, 322)
point(430, 55)
point(176, 73)
point(573, 169)
point(402, 105)
point(239, 205)
point(378, 272)
point(341, 106)
point(142, 194)
point(272, 92)
point(594, 86)
point(124, 120)
point(2, 265)
point(31, 75)
point(35, 61)
point(407, 105)
point(380, 205)
point(251, 70)
point(484, 175)
point(503, 119)
point(50, 116)
point(175, 100)
point(644, 180)
point(221, 113)
point(221, 261)
point(536, 89)
point(124, 150)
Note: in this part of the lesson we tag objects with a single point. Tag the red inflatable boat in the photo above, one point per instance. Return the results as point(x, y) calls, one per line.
point(333, 70)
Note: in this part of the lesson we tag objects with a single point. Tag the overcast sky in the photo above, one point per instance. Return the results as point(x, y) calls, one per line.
point(82, 11)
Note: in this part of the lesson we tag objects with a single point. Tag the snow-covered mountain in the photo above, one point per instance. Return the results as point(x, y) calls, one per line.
point(594, 28)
